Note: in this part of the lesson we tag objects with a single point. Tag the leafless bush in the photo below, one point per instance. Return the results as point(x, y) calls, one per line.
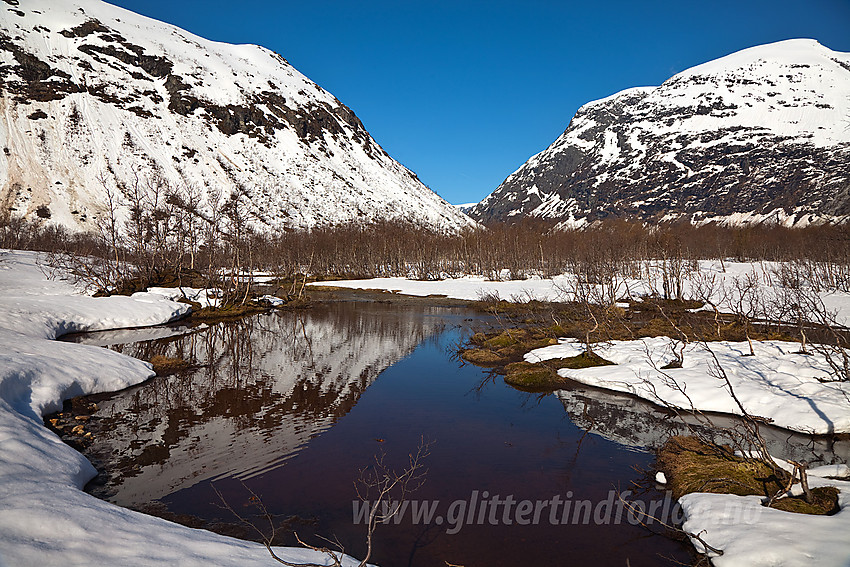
point(381, 487)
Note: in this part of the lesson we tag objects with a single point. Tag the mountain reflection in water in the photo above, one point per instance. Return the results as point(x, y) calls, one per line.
point(262, 388)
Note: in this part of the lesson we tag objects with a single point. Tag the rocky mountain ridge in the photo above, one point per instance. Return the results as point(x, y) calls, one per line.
point(761, 135)
point(97, 100)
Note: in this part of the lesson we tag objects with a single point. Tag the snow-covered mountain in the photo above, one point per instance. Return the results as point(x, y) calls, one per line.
point(93, 97)
point(761, 135)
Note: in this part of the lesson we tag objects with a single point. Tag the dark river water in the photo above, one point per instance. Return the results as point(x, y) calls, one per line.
point(292, 406)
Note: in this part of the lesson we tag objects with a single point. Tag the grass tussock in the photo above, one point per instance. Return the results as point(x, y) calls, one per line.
point(164, 365)
point(586, 359)
point(500, 349)
point(530, 376)
point(692, 465)
point(542, 376)
point(824, 502)
point(213, 314)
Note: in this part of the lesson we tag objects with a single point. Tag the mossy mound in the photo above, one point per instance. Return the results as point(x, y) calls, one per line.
point(532, 376)
point(587, 359)
point(501, 349)
point(544, 375)
point(212, 314)
point(692, 465)
point(163, 365)
point(824, 502)
point(482, 357)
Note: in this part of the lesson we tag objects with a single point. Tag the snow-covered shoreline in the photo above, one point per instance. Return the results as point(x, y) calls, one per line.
point(717, 280)
point(777, 383)
point(45, 517)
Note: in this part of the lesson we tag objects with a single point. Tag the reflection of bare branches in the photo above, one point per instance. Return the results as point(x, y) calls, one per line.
point(381, 487)
point(641, 516)
point(268, 528)
point(381, 484)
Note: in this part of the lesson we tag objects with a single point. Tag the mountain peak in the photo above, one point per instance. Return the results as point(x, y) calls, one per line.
point(761, 135)
point(96, 98)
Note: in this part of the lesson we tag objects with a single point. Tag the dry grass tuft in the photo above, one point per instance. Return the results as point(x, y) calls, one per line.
point(164, 365)
point(692, 465)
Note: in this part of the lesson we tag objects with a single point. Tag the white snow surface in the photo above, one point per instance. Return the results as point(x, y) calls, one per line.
point(777, 383)
point(45, 517)
point(295, 155)
point(752, 535)
point(467, 288)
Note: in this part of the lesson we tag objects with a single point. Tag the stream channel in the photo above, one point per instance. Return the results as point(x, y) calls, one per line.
point(293, 405)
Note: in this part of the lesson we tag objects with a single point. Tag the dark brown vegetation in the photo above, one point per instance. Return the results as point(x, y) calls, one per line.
point(167, 235)
point(154, 234)
point(164, 365)
point(692, 465)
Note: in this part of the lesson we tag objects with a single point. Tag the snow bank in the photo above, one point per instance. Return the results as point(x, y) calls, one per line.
point(45, 518)
point(468, 288)
point(711, 277)
point(776, 383)
point(206, 297)
point(751, 535)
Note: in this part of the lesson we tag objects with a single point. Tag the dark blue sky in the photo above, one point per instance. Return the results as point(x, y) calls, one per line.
point(462, 92)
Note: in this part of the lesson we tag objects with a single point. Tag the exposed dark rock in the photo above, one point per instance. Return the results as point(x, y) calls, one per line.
point(155, 66)
point(86, 28)
point(35, 79)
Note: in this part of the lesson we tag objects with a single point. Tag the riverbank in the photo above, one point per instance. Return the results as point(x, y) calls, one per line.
point(45, 517)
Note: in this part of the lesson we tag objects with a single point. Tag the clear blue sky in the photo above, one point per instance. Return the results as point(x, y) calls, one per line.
point(463, 92)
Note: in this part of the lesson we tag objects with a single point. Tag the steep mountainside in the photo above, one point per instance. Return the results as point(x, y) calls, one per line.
point(93, 97)
point(762, 135)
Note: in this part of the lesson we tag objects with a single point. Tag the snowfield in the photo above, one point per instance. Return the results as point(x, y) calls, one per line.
point(777, 383)
point(45, 517)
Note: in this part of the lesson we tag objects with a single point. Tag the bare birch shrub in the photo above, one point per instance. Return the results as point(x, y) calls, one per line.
point(381, 487)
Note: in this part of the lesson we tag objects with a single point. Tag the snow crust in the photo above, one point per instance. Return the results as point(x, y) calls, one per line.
point(796, 88)
point(751, 535)
point(45, 518)
point(777, 383)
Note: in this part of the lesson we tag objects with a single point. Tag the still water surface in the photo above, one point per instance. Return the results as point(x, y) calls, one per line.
point(294, 405)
